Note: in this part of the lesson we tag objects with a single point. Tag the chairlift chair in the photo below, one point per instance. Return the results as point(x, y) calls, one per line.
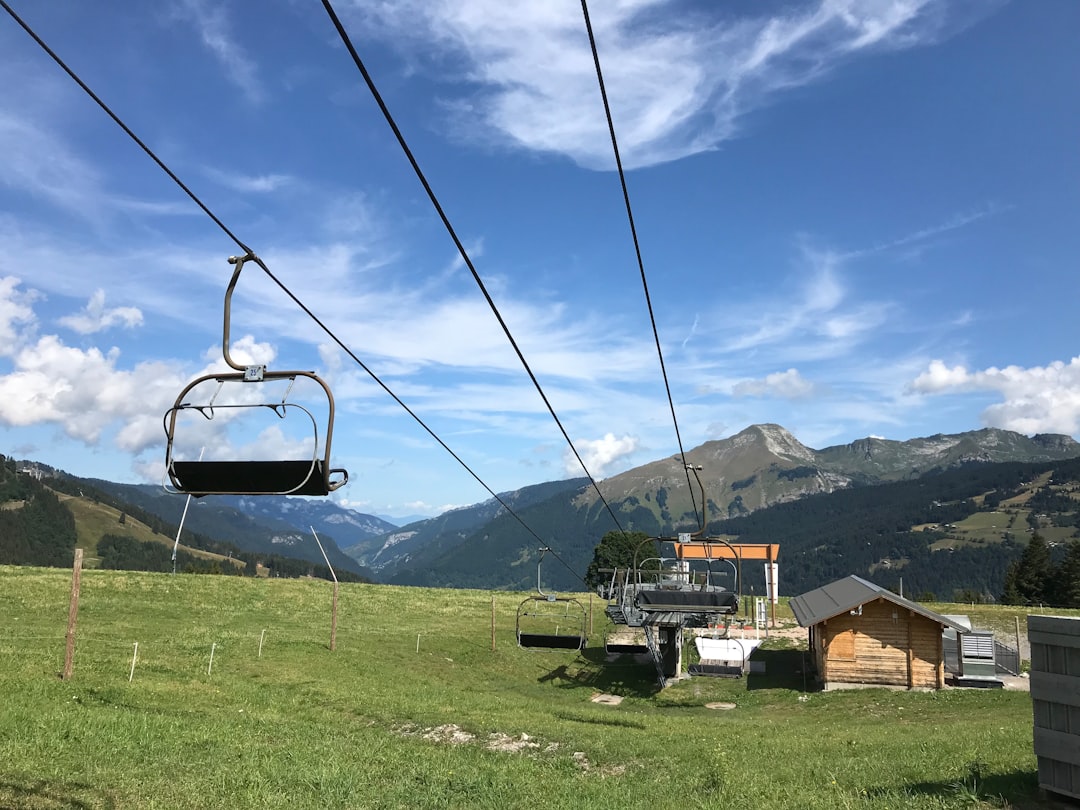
point(549, 622)
point(294, 476)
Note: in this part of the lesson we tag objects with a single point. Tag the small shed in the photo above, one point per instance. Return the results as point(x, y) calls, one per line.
point(864, 635)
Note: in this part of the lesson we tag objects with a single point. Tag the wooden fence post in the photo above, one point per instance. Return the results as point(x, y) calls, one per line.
point(73, 615)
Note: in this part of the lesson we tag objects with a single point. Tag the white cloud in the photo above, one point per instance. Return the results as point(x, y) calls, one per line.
point(15, 310)
point(1041, 399)
point(259, 184)
point(84, 392)
point(821, 319)
point(782, 384)
point(210, 22)
point(95, 317)
point(40, 164)
point(599, 454)
point(679, 81)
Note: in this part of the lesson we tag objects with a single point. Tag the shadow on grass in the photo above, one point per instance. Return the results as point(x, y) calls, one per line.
point(1018, 789)
point(43, 793)
point(625, 675)
point(783, 669)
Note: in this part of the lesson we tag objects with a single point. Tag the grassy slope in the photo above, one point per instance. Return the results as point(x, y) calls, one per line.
point(94, 520)
point(303, 727)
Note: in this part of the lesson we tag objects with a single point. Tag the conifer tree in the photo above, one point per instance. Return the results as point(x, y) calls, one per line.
point(1065, 582)
point(1027, 579)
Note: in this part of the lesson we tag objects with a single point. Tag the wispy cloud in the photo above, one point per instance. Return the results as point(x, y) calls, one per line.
point(959, 220)
point(95, 317)
point(680, 81)
point(1040, 399)
point(16, 313)
point(40, 164)
point(788, 384)
point(210, 21)
point(258, 184)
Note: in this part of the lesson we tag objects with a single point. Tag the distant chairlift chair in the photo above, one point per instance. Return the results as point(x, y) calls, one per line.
point(305, 476)
point(550, 622)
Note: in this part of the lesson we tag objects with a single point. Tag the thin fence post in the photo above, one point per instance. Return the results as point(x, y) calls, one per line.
point(262, 635)
point(493, 624)
point(73, 615)
point(418, 642)
point(590, 615)
point(1019, 654)
point(134, 656)
point(333, 618)
point(211, 664)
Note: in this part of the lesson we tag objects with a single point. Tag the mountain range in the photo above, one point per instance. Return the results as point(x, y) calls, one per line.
point(853, 508)
point(761, 468)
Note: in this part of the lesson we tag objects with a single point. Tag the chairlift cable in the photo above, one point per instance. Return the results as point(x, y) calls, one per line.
point(347, 41)
point(122, 125)
point(637, 246)
point(161, 164)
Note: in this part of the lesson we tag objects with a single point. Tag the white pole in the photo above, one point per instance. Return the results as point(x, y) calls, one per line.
point(418, 642)
point(333, 610)
point(134, 656)
point(211, 666)
point(262, 635)
point(183, 517)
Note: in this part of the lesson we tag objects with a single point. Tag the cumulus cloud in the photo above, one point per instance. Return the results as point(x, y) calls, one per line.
point(1041, 399)
point(88, 395)
point(599, 454)
point(84, 392)
point(680, 80)
point(782, 384)
point(95, 317)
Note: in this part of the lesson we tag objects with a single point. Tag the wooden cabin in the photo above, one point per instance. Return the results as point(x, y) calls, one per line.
point(864, 635)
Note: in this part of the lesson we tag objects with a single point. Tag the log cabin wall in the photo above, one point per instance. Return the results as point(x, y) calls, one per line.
point(887, 645)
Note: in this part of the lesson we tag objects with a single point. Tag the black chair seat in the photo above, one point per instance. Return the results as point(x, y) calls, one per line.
point(250, 477)
point(551, 641)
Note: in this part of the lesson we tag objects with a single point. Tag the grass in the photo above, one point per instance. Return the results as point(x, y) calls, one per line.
point(414, 710)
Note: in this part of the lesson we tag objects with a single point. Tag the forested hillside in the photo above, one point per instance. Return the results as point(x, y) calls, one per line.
point(926, 531)
point(35, 528)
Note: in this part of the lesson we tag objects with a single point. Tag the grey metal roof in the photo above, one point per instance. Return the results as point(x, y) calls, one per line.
point(814, 607)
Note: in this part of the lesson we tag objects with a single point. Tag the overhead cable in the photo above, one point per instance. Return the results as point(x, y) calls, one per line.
point(457, 242)
point(637, 248)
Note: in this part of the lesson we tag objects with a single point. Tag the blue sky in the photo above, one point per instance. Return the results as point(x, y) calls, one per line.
point(856, 218)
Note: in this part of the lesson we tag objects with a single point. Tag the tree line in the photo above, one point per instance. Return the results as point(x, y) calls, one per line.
point(1036, 578)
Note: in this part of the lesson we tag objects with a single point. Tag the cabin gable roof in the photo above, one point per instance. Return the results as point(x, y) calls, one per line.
point(843, 595)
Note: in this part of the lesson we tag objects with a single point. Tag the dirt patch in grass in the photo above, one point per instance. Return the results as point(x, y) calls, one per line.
point(607, 700)
point(525, 744)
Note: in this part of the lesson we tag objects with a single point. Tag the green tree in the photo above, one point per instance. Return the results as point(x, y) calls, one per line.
point(1065, 583)
point(615, 550)
point(1027, 579)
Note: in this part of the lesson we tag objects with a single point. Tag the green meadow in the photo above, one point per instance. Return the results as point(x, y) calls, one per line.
point(413, 709)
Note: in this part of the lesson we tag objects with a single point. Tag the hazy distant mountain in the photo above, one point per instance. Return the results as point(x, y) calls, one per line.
point(421, 543)
point(268, 525)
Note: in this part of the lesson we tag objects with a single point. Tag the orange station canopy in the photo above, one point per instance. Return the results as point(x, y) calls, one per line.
point(704, 550)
